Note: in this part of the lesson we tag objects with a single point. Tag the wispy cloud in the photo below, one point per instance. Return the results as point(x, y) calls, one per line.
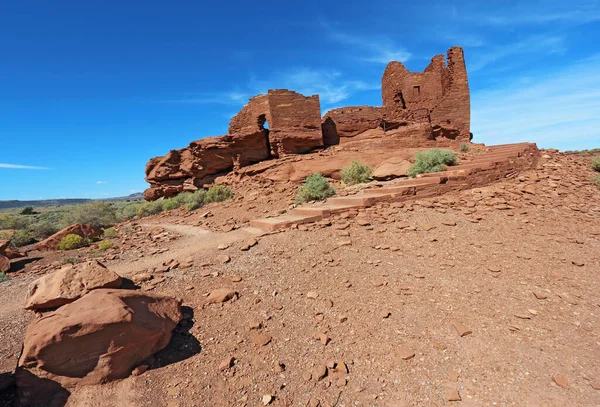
point(331, 85)
point(534, 45)
point(22, 167)
point(558, 110)
point(101, 182)
point(380, 49)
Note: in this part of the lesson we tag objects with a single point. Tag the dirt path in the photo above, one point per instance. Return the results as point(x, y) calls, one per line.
point(194, 242)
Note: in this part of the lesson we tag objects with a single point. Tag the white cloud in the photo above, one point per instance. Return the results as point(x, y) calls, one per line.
point(22, 167)
point(558, 110)
point(101, 182)
point(381, 50)
point(331, 85)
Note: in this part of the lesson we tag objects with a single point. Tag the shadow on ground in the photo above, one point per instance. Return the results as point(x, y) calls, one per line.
point(20, 264)
point(34, 391)
point(183, 344)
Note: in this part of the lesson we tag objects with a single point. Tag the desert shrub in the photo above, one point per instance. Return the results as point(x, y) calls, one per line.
point(10, 221)
point(130, 210)
point(43, 228)
point(596, 180)
point(94, 254)
point(315, 188)
point(109, 233)
point(5, 235)
point(169, 204)
point(434, 160)
point(218, 193)
point(128, 229)
point(149, 208)
point(70, 242)
point(356, 173)
point(596, 164)
point(97, 214)
point(195, 199)
point(3, 277)
point(69, 260)
point(22, 237)
point(105, 245)
point(28, 210)
point(464, 147)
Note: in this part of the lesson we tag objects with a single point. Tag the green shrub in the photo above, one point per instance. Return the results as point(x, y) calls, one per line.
point(464, 147)
point(596, 164)
point(22, 237)
point(149, 208)
point(170, 204)
point(218, 193)
point(195, 199)
point(97, 214)
point(70, 242)
point(130, 210)
point(105, 245)
point(596, 180)
point(5, 235)
point(109, 233)
point(28, 210)
point(356, 173)
point(43, 229)
point(94, 254)
point(3, 277)
point(10, 221)
point(434, 160)
point(69, 260)
point(315, 188)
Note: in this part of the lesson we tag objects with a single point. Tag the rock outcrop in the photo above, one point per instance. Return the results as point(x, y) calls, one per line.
point(417, 108)
point(68, 284)
point(392, 168)
point(4, 259)
point(294, 127)
point(100, 337)
point(83, 230)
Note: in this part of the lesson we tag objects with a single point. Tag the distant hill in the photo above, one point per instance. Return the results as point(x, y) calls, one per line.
point(59, 202)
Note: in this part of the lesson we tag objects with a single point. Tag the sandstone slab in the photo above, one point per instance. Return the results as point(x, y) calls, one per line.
point(68, 284)
point(83, 230)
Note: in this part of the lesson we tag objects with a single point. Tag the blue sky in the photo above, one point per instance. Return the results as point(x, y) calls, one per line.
point(90, 90)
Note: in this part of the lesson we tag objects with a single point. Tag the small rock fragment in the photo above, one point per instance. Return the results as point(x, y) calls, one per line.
point(461, 329)
point(404, 353)
point(452, 394)
point(221, 295)
point(226, 363)
point(561, 381)
point(260, 339)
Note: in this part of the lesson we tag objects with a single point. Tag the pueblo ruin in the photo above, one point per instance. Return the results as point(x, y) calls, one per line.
point(419, 109)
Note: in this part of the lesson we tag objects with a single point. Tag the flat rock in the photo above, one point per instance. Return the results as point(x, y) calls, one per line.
point(83, 230)
point(68, 284)
point(451, 394)
point(461, 329)
point(260, 339)
point(404, 353)
point(561, 381)
point(391, 168)
point(221, 295)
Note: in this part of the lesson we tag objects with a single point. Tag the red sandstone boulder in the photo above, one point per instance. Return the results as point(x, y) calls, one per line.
point(100, 337)
point(83, 230)
point(4, 260)
point(12, 253)
point(68, 284)
point(4, 264)
point(392, 168)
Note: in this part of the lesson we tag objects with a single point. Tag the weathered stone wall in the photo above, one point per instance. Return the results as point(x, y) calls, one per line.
point(438, 95)
point(350, 121)
point(294, 127)
point(441, 89)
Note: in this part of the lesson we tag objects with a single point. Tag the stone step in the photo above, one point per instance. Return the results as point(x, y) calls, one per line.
point(283, 221)
point(368, 198)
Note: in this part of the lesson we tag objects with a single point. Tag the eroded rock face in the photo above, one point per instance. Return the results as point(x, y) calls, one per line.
point(391, 168)
point(83, 230)
point(294, 127)
point(4, 259)
point(100, 337)
point(68, 284)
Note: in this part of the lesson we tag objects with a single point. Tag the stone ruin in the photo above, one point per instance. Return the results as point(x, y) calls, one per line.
point(417, 108)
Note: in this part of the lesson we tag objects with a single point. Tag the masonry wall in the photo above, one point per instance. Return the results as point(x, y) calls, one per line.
point(442, 89)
